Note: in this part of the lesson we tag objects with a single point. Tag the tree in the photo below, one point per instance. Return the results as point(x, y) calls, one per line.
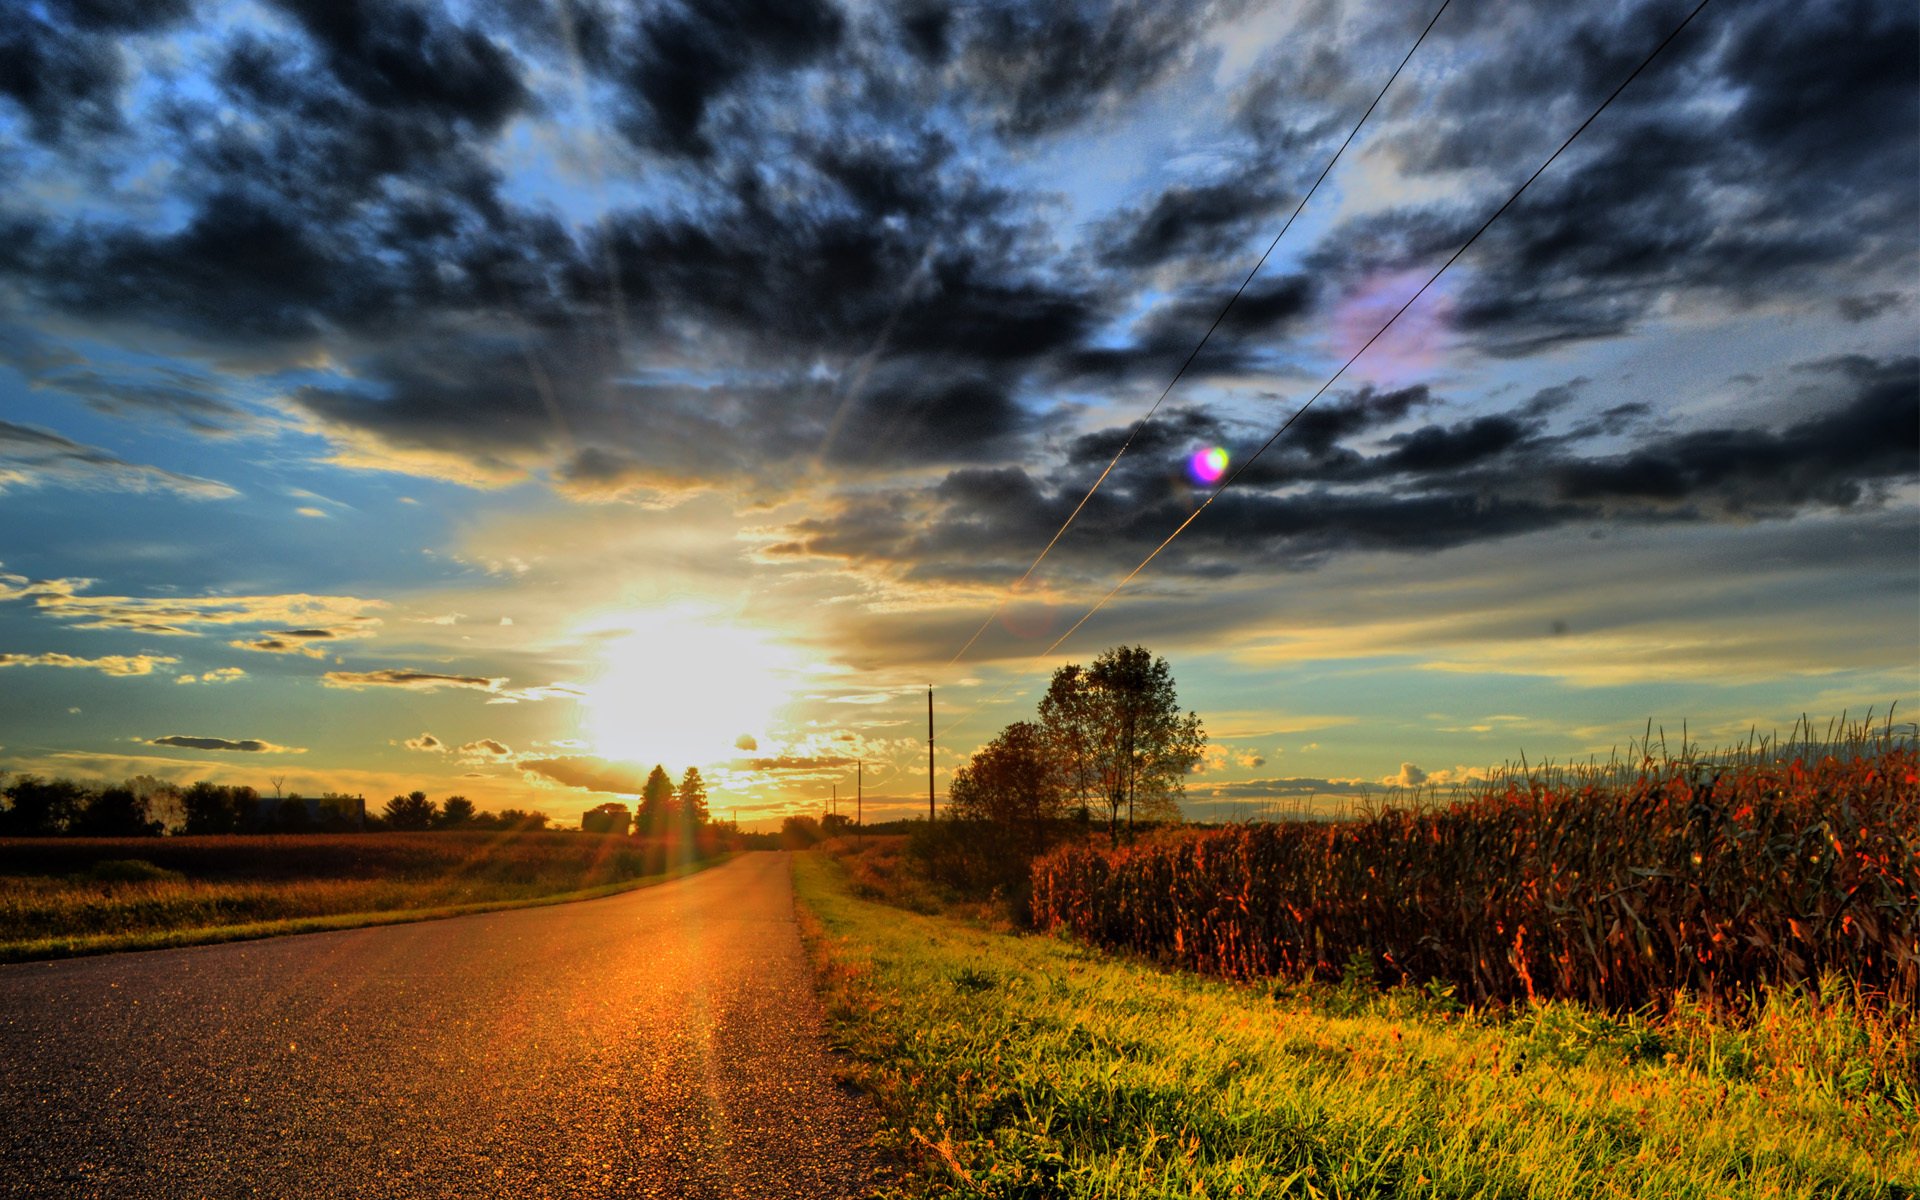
point(1069, 721)
point(213, 808)
point(610, 817)
point(291, 816)
point(1011, 781)
point(656, 803)
point(1120, 737)
point(411, 811)
point(162, 800)
point(40, 807)
point(456, 811)
point(115, 812)
point(692, 798)
point(520, 818)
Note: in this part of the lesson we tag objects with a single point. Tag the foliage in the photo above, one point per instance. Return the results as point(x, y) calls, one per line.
point(1003, 808)
point(115, 812)
point(799, 832)
point(655, 814)
point(1712, 878)
point(215, 808)
point(1031, 1067)
point(40, 807)
point(611, 817)
point(692, 798)
point(412, 811)
point(455, 812)
point(1118, 736)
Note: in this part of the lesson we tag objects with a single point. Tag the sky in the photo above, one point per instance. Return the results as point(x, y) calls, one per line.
point(499, 397)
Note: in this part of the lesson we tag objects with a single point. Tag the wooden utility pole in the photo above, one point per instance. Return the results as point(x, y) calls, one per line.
point(929, 753)
point(860, 796)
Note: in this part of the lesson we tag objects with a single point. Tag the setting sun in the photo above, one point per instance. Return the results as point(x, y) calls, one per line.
point(682, 684)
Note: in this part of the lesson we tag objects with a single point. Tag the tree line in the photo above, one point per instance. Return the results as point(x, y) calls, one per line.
point(664, 809)
point(144, 806)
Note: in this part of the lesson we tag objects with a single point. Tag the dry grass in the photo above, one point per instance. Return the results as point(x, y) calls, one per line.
point(69, 896)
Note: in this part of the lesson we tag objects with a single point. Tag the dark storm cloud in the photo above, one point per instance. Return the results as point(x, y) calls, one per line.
point(683, 58)
point(401, 56)
point(64, 69)
point(1208, 221)
point(822, 248)
point(1420, 490)
point(1659, 197)
point(1834, 458)
point(1043, 68)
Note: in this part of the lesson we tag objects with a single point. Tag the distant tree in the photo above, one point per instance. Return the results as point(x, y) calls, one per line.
point(610, 817)
point(656, 803)
point(213, 808)
point(1011, 781)
point(39, 807)
point(1120, 737)
point(341, 813)
point(162, 799)
point(115, 812)
point(692, 798)
point(456, 811)
point(411, 811)
point(797, 833)
point(290, 815)
point(520, 818)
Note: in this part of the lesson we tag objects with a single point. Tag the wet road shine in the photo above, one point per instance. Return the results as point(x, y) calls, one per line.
point(665, 1042)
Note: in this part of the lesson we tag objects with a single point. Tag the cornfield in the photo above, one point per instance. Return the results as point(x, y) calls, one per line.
point(1711, 877)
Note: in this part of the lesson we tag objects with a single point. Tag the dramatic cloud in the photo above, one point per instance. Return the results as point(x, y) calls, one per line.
point(485, 746)
point(747, 742)
point(1323, 491)
point(109, 664)
point(589, 773)
point(245, 745)
point(426, 742)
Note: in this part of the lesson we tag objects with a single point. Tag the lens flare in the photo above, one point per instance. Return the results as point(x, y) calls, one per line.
point(1207, 465)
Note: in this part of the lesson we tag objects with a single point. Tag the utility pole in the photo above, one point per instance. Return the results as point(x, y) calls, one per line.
point(860, 797)
point(834, 808)
point(929, 753)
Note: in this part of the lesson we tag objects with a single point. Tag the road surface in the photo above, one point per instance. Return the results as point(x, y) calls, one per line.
point(664, 1042)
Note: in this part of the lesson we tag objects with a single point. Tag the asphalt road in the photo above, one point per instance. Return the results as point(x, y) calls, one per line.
point(665, 1042)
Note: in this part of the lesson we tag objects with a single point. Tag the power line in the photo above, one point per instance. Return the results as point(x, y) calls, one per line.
point(1228, 482)
point(1250, 459)
point(1204, 339)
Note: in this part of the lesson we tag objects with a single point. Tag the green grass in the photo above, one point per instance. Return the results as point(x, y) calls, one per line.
point(104, 896)
point(1028, 1066)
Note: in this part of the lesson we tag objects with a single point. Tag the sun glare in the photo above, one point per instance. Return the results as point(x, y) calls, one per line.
point(681, 685)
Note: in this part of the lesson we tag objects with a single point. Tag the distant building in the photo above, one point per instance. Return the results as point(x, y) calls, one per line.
point(607, 818)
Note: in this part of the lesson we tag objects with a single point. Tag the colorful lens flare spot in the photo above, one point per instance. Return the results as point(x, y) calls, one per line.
point(1207, 465)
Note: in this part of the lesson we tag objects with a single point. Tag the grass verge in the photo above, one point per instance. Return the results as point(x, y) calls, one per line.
point(1028, 1066)
point(400, 905)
